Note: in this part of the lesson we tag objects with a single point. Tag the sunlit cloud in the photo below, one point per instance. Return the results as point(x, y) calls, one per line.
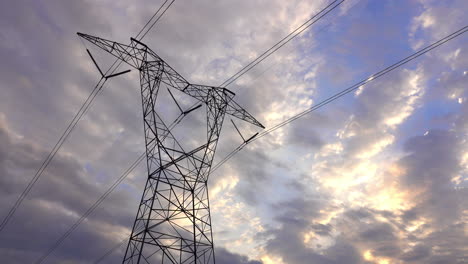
point(378, 176)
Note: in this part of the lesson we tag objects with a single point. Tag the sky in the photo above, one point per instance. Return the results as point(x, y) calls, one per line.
point(376, 177)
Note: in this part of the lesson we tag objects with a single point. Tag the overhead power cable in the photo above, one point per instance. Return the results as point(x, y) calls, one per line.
point(283, 41)
point(83, 109)
point(347, 91)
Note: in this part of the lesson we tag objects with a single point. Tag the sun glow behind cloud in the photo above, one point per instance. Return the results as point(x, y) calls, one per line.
point(369, 178)
point(369, 257)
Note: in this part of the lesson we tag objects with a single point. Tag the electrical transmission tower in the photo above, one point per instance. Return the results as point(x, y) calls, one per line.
point(173, 223)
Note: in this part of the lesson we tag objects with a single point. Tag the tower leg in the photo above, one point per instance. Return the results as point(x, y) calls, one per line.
point(173, 223)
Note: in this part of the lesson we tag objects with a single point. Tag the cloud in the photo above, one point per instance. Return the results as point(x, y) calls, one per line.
point(305, 134)
point(353, 183)
point(393, 200)
point(431, 21)
point(225, 257)
point(60, 196)
point(430, 167)
point(287, 241)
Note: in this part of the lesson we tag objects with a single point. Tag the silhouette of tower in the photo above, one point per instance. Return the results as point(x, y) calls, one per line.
point(173, 223)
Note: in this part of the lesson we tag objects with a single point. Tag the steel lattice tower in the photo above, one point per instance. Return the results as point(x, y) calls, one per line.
point(173, 223)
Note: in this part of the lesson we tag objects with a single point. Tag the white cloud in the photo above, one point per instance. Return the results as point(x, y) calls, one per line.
point(353, 163)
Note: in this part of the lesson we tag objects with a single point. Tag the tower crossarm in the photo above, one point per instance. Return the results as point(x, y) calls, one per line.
point(141, 57)
point(133, 54)
point(237, 111)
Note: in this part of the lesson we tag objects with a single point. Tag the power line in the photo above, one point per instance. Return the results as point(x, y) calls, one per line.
point(346, 91)
point(165, 9)
point(83, 109)
point(149, 21)
point(283, 41)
